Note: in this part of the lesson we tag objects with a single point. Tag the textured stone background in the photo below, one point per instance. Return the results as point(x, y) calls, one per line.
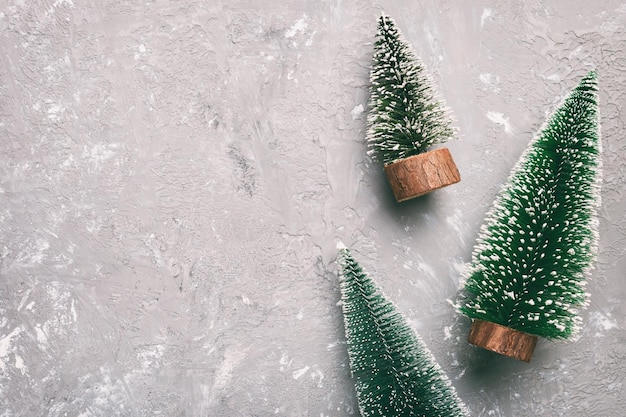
point(174, 177)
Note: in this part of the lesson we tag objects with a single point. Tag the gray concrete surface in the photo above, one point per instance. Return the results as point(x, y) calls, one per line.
point(174, 177)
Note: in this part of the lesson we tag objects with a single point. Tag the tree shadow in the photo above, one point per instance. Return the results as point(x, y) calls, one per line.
point(410, 213)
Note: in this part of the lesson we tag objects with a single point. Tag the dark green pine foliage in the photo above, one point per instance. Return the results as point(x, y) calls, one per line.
point(539, 240)
point(404, 117)
point(395, 374)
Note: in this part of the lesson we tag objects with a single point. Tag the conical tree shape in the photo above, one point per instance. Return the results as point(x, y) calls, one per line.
point(539, 241)
point(395, 374)
point(404, 116)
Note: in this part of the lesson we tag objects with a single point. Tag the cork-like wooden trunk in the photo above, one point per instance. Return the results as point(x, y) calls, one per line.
point(502, 340)
point(420, 174)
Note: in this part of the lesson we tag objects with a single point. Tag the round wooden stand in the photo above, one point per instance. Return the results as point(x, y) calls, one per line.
point(502, 340)
point(420, 174)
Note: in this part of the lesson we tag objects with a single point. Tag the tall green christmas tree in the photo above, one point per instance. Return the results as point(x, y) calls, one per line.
point(539, 240)
point(395, 374)
point(404, 118)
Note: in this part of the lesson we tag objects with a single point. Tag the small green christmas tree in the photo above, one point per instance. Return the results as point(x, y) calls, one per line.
point(539, 241)
point(404, 118)
point(395, 374)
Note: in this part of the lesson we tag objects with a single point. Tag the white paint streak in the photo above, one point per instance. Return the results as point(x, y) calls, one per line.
point(300, 372)
point(318, 375)
point(491, 81)
point(5, 346)
point(500, 119)
point(298, 27)
point(246, 300)
point(290, 76)
point(33, 254)
point(333, 345)
point(357, 111)
point(460, 267)
point(55, 110)
point(109, 393)
point(73, 311)
point(100, 153)
point(141, 52)
point(24, 300)
point(225, 372)
point(41, 335)
point(602, 322)
point(426, 268)
point(309, 41)
point(19, 364)
point(150, 357)
point(284, 362)
point(487, 14)
point(57, 3)
point(456, 221)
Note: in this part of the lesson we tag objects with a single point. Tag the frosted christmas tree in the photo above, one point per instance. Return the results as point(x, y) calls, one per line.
point(539, 241)
point(394, 373)
point(405, 118)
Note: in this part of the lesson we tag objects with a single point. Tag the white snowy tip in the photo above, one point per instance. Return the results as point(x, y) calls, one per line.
point(341, 246)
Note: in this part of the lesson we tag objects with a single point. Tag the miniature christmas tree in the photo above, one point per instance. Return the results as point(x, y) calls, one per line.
point(395, 374)
point(405, 119)
point(539, 241)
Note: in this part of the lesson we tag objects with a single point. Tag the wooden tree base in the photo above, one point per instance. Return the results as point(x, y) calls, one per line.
point(502, 340)
point(420, 174)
